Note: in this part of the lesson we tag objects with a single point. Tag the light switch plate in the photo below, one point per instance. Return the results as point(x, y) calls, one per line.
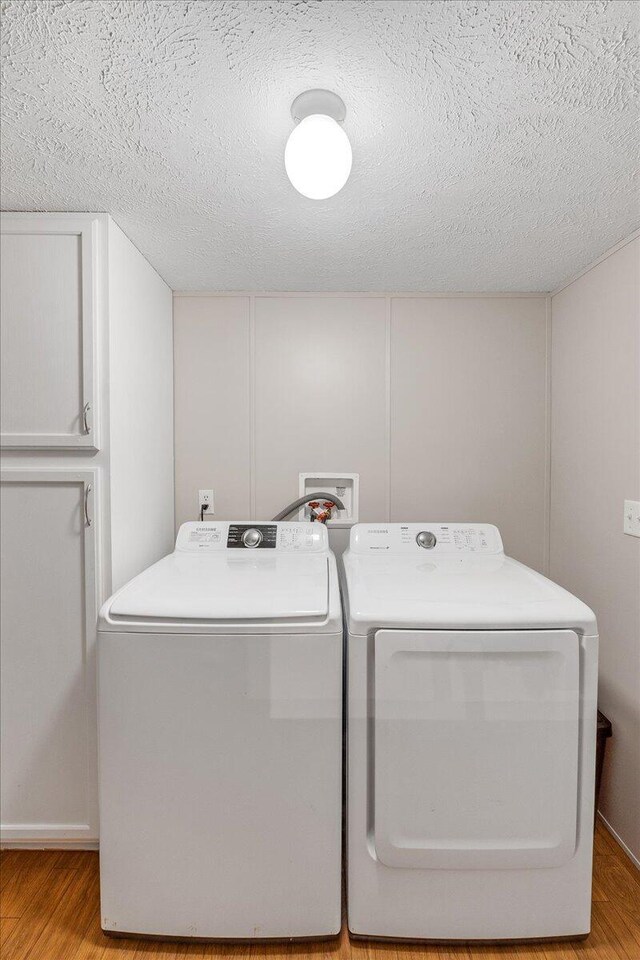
point(632, 517)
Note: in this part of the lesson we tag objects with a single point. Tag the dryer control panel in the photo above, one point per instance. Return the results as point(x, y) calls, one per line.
point(288, 537)
point(426, 537)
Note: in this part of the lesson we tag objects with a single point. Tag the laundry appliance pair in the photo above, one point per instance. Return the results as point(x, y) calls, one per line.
point(471, 715)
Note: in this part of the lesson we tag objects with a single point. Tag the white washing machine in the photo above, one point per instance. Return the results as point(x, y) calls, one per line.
point(220, 715)
point(471, 739)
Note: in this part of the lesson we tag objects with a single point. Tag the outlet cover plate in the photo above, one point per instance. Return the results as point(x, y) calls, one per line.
point(632, 517)
point(205, 496)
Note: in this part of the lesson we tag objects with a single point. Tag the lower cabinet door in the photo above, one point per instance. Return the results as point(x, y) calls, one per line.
point(48, 633)
point(476, 748)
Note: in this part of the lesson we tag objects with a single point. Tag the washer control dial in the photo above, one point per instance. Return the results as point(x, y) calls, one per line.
point(426, 539)
point(252, 537)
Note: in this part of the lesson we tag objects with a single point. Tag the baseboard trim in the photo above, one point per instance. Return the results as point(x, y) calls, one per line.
point(60, 843)
point(50, 843)
point(620, 841)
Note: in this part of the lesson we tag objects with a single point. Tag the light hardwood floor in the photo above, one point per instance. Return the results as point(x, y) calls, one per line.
point(50, 911)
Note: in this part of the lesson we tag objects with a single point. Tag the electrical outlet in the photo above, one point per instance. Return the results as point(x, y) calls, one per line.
point(205, 497)
point(632, 517)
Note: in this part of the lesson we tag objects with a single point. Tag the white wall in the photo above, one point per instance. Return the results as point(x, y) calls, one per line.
point(141, 410)
point(595, 466)
point(439, 403)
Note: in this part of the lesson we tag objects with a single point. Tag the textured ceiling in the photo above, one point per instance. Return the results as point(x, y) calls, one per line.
point(495, 144)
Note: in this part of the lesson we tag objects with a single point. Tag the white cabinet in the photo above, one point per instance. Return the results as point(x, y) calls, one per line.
point(48, 296)
point(47, 638)
point(86, 495)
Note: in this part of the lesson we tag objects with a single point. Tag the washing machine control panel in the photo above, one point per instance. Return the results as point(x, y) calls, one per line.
point(284, 536)
point(439, 539)
point(252, 536)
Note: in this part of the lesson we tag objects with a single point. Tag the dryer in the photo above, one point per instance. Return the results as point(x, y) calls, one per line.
point(220, 733)
point(471, 739)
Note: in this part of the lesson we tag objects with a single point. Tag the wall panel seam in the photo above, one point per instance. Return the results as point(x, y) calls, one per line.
point(547, 444)
point(252, 407)
point(372, 295)
point(388, 407)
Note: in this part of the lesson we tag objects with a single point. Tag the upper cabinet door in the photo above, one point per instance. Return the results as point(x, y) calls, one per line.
point(49, 297)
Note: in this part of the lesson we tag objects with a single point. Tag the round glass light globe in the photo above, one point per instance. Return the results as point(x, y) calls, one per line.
point(317, 157)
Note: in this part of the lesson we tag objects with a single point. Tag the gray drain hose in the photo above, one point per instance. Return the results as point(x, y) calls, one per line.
point(288, 510)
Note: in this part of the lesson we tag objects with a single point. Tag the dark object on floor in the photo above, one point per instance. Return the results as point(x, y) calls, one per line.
point(604, 731)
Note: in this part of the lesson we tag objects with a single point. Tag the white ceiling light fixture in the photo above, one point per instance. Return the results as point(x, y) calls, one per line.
point(317, 157)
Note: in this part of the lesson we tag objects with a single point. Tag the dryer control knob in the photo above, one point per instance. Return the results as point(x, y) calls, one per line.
point(426, 539)
point(251, 537)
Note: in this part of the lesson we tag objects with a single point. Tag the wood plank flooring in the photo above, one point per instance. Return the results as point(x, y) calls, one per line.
point(50, 911)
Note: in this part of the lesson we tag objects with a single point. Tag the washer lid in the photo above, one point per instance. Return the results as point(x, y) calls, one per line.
point(230, 585)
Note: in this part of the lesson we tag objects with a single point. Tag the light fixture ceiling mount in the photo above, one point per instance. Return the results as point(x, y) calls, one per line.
point(317, 157)
point(318, 101)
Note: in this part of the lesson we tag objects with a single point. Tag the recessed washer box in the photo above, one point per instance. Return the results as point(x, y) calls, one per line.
point(344, 485)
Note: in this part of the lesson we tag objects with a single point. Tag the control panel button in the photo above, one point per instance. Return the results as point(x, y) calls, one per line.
point(251, 537)
point(426, 539)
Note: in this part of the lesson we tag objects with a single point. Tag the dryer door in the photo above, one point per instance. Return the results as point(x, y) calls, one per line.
point(475, 748)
